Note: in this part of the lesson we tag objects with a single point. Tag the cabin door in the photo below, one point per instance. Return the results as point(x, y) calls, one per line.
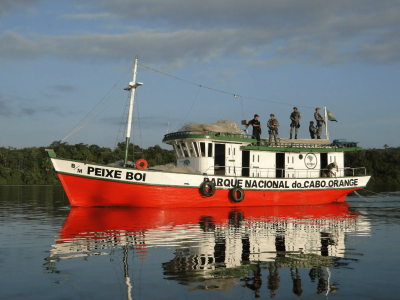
point(324, 162)
point(280, 165)
point(219, 159)
point(246, 163)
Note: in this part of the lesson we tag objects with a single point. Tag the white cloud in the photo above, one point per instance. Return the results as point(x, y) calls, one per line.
point(182, 32)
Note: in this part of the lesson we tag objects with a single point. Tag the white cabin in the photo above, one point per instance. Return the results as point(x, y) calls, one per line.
point(223, 153)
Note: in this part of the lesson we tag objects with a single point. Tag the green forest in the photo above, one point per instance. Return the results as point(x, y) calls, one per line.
point(32, 165)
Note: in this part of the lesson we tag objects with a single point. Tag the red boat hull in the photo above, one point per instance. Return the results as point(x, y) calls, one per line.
point(83, 191)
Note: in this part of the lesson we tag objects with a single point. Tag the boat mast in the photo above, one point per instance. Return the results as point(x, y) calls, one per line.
point(132, 87)
point(326, 123)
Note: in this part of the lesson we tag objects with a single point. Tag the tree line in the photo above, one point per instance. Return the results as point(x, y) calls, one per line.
point(33, 166)
point(382, 165)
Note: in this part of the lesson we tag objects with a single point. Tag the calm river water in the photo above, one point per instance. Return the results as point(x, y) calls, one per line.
point(339, 251)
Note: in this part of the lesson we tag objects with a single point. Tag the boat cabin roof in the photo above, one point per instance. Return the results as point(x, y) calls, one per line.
point(249, 143)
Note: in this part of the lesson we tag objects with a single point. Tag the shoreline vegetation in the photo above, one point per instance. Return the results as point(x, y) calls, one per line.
point(32, 166)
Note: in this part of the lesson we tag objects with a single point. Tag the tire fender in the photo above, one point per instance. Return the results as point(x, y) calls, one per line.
point(237, 194)
point(207, 188)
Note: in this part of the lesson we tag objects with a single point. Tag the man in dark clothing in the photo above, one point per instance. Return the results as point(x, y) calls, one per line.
point(295, 116)
point(256, 129)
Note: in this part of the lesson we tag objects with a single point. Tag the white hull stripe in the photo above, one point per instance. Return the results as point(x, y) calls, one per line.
point(161, 178)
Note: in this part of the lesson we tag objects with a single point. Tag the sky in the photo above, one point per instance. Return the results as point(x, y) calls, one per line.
point(65, 63)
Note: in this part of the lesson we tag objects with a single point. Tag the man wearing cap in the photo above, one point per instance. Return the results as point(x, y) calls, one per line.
point(273, 125)
point(312, 129)
point(329, 172)
point(320, 122)
point(256, 129)
point(295, 116)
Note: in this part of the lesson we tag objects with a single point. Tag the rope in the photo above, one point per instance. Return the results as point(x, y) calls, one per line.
point(371, 192)
point(220, 91)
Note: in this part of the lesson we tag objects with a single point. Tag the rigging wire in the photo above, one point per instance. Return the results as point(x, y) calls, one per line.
point(88, 117)
point(88, 120)
point(220, 91)
point(195, 98)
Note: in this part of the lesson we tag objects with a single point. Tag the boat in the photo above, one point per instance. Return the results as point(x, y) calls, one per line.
point(217, 169)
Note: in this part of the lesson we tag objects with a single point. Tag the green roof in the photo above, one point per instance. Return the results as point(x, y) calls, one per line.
point(223, 136)
point(264, 145)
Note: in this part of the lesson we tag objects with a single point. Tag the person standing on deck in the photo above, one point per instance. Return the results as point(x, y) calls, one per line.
point(273, 125)
point(295, 116)
point(328, 172)
point(256, 129)
point(312, 129)
point(320, 122)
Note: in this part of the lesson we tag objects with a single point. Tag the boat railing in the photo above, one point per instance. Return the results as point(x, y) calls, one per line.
point(285, 173)
point(302, 145)
point(209, 133)
point(262, 143)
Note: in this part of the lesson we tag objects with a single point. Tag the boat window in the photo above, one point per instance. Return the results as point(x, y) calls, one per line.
point(196, 149)
point(288, 159)
point(292, 159)
point(210, 147)
point(203, 149)
point(253, 161)
point(330, 158)
point(184, 149)
point(191, 149)
point(258, 158)
point(234, 151)
point(179, 152)
point(229, 151)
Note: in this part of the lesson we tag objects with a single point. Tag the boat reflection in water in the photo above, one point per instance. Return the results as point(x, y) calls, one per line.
point(216, 248)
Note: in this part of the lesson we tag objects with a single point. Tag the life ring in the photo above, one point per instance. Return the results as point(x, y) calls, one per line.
point(207, 188)
point(141, 164)
point(237, 194)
